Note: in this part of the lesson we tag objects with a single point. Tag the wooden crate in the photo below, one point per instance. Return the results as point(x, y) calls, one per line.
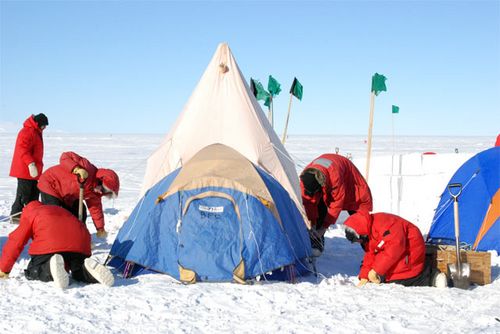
point(479, 262)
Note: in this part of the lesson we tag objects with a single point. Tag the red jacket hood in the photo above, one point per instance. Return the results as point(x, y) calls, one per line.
point(31, 123)
point(360, 222)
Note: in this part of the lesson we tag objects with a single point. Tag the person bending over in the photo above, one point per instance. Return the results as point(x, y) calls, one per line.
point(394, 251)
point(60, 184)
point(329, 184)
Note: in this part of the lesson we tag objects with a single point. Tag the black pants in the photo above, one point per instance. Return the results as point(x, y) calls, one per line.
point(27, 191)
point(425, 278)
point(52, 200)
point(39, 267)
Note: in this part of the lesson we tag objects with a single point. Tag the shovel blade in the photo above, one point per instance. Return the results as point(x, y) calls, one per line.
point(460, 277)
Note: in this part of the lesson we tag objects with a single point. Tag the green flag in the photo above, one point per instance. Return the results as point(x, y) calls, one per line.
point(378, 83)
point(258, 90)
point(273, 86)
point(296, 89)
point(395, 109)
point(267, 103)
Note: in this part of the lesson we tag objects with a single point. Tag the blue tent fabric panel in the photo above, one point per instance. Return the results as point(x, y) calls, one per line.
point(145, 205)
point(492, 239)
point(491, 158)
point(291, 218)
point(265, 248)
point(154, 244)
point(132, 243)
point(210, 241)
point(266, 245)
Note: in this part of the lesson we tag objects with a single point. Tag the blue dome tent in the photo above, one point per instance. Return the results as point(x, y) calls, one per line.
point(217, 218)
point(479, 205)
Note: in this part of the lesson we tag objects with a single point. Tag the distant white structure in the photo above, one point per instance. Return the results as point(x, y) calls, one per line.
point(410, 185)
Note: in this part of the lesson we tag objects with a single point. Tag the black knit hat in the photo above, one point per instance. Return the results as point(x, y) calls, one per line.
point(41, 120)
point(311, 185)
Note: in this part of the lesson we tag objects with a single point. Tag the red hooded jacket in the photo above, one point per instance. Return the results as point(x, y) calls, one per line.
point(395, 247)
point(497, 143)
point(29, 148)
point(53, 230)
point(60, 182)
point(344, 189)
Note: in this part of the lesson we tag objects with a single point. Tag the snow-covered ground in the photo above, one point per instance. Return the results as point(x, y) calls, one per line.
point(408, 183)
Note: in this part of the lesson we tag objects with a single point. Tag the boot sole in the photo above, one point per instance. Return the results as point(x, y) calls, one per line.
point(59, 274)
point(101, 274)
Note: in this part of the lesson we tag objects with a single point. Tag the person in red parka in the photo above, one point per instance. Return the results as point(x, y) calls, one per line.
point(497, 143)
point(59, 240)
point(394, 250)
point(27, 162)
point(329, 184)
point(60, 184)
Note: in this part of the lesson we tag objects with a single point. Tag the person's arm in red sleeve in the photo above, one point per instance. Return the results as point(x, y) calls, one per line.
point(311, 210)
point(368, 260)
point(95, 208)
point(26, 146)
point(390, 249)
point(15, 243)
point(336, 205)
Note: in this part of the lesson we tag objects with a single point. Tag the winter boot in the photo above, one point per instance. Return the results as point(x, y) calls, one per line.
point(318, 245)
point(59, 274)
point(440, 280)
point(99, 272)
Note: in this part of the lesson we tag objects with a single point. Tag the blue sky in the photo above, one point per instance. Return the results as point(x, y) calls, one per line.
point(130, 66)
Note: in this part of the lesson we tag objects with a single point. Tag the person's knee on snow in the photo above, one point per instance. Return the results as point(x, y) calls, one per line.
point(58, 240)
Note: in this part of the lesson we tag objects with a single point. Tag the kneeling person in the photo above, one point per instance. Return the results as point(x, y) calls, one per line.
point(394, 251)
point(60, 241)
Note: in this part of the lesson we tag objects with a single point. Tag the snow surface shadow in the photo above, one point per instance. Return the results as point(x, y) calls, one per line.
point(120, 281)
point(340, 257)
point(495, 272)
point(111, 211)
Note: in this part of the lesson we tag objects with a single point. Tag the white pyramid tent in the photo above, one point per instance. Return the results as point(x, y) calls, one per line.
point(223, 110)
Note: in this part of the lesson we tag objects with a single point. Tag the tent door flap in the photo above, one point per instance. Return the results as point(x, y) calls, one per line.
point(210, 236)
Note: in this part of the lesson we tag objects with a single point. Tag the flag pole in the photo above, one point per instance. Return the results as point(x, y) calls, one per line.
point(287, 118)
point(393, 137)
point(370, 127)
point(392, 159)
point(272, 112)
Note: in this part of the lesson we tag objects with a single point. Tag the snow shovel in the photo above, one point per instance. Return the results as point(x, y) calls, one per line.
point(459, 272)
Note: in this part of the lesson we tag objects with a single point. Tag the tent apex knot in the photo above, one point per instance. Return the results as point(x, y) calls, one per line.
point(223, 68)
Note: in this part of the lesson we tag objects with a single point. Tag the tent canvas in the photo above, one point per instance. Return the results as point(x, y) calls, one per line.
point(223, 110)
point(217, 218)
point(479, 205)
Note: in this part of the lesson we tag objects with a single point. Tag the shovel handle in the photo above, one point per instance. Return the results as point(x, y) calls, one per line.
point(81, 183)
point(452, 189)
